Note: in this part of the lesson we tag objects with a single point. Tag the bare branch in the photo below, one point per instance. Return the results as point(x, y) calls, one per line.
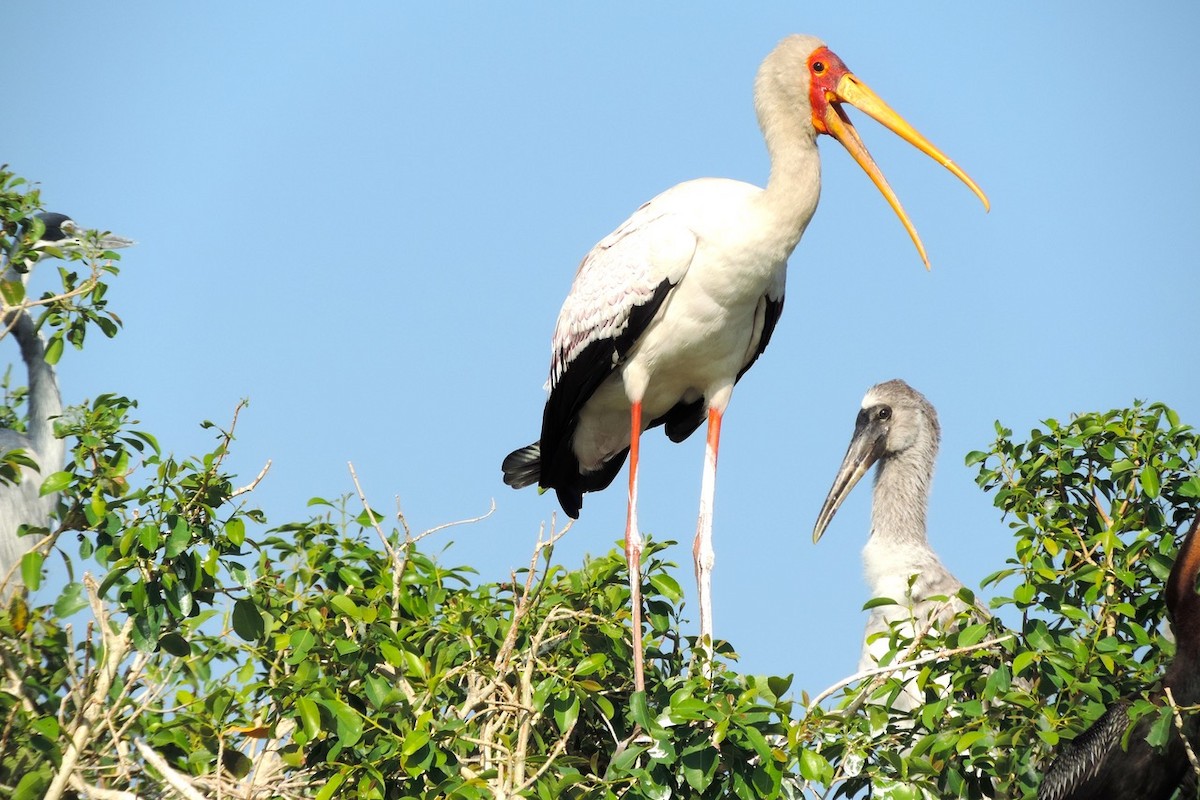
point(99, 793)
point(383, 539)
point(116, 645)
point(173, 777)
point(252, 485)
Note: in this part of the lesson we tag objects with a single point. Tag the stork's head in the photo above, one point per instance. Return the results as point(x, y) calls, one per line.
point(894, 419)
point(803, 76)
point(61, 228)
point(58, 226)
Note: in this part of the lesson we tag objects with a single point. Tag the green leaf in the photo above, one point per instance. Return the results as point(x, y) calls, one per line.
point(235, 530)
point(1022, 660)
point(699, 764)
point(175, 644)
point(31, 569)
point(55, 482)
point(1150, 481)
point(1039, 637)
point(349, 722)
point(345, 606)
point(971, 634)
point(310, 716)
point(1160, 731)
point(667, 586)
point(414, 741)
point(248, 621)
point(54, 350)
point(590, 664)
point(236, 763)
point(31, 786)
point(180, 538)
point(566, 711)
point(974, 457)
point(332, 786)
point(13, 292)
point(70, 600)
point(45, 726)
point(814, 766)
point(779, 686)
point(640, 711)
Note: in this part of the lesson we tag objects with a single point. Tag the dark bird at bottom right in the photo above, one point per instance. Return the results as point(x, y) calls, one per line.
point(1094, 765)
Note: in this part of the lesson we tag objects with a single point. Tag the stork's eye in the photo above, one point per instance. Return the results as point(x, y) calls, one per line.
point(818, 67)
point(884, 414)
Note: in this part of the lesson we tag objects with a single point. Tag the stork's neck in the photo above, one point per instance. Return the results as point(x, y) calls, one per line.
point(902, 498)
point(795, 184)
point(44, 399)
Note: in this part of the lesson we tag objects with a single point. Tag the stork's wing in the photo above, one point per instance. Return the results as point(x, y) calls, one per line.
point(618, 290)
point(1079, 760)
point(765, 318)
point(631, 268)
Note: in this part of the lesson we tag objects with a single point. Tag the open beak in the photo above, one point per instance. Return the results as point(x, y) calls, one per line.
point(866, 447)
point(833, 120)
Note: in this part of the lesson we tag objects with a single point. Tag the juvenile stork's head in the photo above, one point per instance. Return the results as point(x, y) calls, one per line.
point(895, 421)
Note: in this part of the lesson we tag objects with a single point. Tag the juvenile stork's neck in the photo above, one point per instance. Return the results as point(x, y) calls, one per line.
point(901, 499)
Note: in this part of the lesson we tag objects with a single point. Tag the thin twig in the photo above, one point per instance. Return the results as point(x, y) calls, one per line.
point(383, 539)
point(252, 485)
point(1182, 734)
point(867, 673)
point(491, 510)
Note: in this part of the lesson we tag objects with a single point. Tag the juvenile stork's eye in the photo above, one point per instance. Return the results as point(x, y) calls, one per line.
point(818, 67)
point(884, 414)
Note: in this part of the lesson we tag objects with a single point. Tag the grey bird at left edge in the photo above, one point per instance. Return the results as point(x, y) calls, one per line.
point(22, 504)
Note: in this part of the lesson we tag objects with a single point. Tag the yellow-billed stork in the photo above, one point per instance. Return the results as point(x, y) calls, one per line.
point(669, 311)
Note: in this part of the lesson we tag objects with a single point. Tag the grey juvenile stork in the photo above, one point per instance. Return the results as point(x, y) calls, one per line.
point(21, 504)
point(669, 311)
point(1094, 765)
point(898, 429)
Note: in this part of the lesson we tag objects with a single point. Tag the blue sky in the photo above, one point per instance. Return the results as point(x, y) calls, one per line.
point(364, 218)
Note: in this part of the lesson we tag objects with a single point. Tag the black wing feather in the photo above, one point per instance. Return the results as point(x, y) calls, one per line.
point(579, 381)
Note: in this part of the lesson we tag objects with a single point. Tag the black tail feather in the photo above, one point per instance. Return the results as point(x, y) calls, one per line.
point(523, 467)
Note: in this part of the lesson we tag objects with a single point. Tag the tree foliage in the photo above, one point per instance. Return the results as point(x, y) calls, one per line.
point(195, 649)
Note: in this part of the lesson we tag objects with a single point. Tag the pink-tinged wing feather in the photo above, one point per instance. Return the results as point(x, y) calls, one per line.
point(622, 272)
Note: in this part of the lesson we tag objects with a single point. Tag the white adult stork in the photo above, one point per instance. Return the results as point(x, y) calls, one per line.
point(22, 504)
point(898, 429)
point(669, 311)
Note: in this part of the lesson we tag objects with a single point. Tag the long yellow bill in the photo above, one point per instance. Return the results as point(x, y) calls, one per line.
point(853, 91)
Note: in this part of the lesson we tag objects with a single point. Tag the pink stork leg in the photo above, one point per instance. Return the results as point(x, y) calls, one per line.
point(633, 548)
point(702, 550)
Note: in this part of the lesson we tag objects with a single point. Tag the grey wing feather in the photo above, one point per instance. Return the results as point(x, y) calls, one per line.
point(621, 273)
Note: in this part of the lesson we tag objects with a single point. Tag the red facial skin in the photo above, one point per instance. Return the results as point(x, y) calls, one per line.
point(825, 70)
